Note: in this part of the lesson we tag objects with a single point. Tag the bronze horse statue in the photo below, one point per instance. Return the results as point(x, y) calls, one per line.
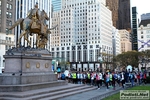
point(33, 26)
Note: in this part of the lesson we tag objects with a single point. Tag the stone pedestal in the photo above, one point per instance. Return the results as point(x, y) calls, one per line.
point(27, 66)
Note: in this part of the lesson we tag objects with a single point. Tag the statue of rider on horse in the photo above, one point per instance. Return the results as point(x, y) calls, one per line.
point(34, 23)
point(37, 22)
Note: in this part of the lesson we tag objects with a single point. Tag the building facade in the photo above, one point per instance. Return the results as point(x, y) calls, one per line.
point(22, 8)
point(126, 44)
point(7, 17)
point(144, 40)
point(84, 31)
point(144, 35)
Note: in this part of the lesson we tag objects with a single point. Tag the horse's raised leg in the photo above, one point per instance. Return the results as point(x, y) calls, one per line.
point(21, 35)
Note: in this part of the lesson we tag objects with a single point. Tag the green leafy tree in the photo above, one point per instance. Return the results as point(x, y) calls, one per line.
point(128, 58)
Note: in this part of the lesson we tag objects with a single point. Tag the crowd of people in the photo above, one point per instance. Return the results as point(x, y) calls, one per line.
point(108, 78)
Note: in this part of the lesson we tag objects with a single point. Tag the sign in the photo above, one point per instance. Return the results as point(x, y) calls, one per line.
point(134, 94)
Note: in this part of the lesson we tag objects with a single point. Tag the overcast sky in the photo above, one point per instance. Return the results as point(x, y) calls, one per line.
point(143, 6)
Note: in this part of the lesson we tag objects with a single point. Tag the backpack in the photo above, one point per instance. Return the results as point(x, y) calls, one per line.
point(115, 76)
point(132, 76)
point(62, 76)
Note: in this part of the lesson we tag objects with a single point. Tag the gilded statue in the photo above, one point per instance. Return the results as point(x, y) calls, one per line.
point(34, 23)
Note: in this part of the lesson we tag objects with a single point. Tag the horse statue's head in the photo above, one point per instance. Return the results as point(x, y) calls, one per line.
point(44, 15)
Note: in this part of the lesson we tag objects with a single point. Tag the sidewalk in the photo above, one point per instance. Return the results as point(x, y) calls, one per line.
point(94, 94)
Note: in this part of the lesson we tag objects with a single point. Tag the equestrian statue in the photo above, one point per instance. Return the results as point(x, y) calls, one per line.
point(34, 23)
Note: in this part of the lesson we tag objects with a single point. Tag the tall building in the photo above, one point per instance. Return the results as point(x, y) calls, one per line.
point(134, 29)
point(22, 8)
point(84, 31)
point(120, 13)
point(56, 5)
point(124, 15)
point(116, 41)
point(113, 5)
point(126, 44)
point(7, 17)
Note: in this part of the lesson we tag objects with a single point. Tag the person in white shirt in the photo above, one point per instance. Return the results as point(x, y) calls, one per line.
point(66, 73)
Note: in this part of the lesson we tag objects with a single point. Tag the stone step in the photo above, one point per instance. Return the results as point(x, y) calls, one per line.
point(56, 97)
point(36, 92)
point(60, 92)
point(27, 87)
point(46, 92)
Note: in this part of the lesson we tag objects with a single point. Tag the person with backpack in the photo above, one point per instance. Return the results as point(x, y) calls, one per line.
point(107, 80)
point(141, 77)
point(59, 72)
point(132, 77)
point(119, 78)
point(110, 79)
point(122, 79)
point(98, 80)
point(92, 78)
point(74, 77)
point(85, 78)
point(144, 77)
point(114, 79)
point(138, 78)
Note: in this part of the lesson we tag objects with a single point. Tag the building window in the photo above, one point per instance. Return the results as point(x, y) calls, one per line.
point(7, 31)
point(142, 32)
point(6, 38)
point(6, 47)
point(141, 36)
point(10, 23)
point(9, 38)
point(10, 6)
point(7, 6)
point(10, 15)
point(7, 14)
